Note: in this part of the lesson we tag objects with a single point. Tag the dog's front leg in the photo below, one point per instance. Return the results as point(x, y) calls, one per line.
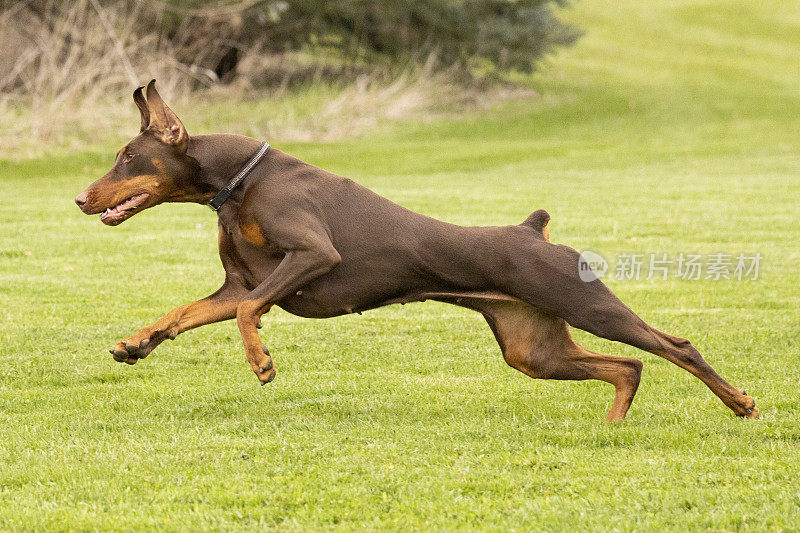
point(219, 306)
point(297, 268)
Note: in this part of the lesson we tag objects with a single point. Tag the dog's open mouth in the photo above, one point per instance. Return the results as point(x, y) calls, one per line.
point(123, 211)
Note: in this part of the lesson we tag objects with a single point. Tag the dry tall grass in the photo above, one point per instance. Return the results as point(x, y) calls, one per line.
point(60, 70)
point(67, 71)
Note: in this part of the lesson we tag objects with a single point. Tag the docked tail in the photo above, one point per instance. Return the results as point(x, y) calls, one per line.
point(538, 220)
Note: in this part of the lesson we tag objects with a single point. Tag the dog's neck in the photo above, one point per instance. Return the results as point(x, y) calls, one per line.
point(220, 157)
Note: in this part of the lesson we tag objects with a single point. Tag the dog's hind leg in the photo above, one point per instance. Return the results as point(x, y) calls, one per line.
point(539, 344)
point(622, 325)
point(555, 285)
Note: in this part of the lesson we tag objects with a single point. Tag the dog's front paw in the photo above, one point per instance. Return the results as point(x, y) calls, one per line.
point(262, 365)
point(140, 345)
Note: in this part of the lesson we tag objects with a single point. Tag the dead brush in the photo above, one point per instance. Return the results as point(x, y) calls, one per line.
point(76, 52)
point(419, 92)
point(67, 65)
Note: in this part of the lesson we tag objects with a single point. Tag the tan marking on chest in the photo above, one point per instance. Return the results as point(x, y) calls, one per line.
point(252, 234)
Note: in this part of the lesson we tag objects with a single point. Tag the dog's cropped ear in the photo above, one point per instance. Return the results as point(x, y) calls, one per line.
point(141, 103)
point(163, 122)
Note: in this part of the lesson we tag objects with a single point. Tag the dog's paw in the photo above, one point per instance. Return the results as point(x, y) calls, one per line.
point(263, 366)
point(121, 354)
point(139, 346)
point(745, 406)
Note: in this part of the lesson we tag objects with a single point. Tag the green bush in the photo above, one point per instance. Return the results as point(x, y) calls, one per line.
point(108, 41)
point(500, 34)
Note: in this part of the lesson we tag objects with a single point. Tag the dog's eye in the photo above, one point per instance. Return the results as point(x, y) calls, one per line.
point(127, 157)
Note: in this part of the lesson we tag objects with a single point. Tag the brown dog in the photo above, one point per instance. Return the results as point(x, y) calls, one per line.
point(319, 245)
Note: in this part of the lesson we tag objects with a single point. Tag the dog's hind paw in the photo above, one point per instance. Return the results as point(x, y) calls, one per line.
point(745, 406)
point(267, 376)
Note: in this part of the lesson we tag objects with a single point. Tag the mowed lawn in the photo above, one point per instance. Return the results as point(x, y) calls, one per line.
point(671, 127)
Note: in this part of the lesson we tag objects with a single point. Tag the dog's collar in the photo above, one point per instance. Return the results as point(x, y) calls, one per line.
point(225, 193)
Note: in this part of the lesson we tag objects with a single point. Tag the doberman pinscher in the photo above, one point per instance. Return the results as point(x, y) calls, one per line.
point(320, 245)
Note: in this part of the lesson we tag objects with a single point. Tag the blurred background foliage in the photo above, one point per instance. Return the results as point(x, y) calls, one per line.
point(328, 68)
point(267, 43)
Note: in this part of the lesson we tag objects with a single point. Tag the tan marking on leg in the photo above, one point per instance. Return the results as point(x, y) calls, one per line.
point(539, 344)
point(214, 308)
point(247, 318)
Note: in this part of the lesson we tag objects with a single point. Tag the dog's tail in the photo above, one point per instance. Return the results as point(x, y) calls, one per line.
point(538, 220)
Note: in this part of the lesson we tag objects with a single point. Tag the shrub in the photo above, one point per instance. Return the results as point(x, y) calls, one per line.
point(206, 40)
point(59, 55)
point(470, 34)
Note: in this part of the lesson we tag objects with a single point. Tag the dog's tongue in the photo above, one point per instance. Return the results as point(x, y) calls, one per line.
point(112, 215)
point(115, 215)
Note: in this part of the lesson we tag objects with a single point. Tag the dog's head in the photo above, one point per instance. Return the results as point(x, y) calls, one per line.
point(150, 169)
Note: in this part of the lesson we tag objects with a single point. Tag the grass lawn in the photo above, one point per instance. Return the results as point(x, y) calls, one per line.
point(671, 127)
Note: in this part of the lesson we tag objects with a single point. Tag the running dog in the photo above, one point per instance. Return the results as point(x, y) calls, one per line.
point(319, 245)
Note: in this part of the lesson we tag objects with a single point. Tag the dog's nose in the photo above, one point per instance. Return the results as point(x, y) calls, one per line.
point(81, 199)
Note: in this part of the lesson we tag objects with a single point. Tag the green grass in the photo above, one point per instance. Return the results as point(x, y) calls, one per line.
point(671, 127)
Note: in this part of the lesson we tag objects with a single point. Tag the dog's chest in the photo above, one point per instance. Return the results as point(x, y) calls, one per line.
point(249, 251)
point(247, 235)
